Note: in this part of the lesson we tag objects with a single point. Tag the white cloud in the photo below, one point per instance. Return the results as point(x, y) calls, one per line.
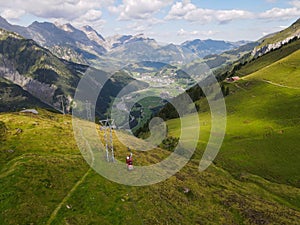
point(137, 27)
point(224, 16)
point(92, 15)
point(97, 24)
point(180, 9)
point(185, 10)
point(295, 3)
point(57, 9)
point(77, 12)
point(188, 11)
point(197, 33)
point(143, 26)
point(280, 13)
point(139, 9)
point(140, 29)
point(12, 14)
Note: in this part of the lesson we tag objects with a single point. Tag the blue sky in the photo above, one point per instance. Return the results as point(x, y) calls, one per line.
point(165, 20)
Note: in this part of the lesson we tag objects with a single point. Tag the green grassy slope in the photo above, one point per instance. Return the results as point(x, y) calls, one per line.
point(285, 72)
point(44, 180)
point(263, 126)
point(262, 133)
point(268, 59)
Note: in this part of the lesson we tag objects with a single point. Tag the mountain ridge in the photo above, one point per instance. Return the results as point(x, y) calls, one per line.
point(50, 79)
point(85, 44)
point(277, 40)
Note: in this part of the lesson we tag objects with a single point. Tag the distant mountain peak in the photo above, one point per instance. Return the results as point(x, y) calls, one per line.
point(66, 27)
point(195, 41)
point(93, 34)
point(42, 25)
point(88, 28)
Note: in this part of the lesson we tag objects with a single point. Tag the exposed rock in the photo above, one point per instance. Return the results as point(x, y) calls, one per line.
point(257, 52)
point(43, 91)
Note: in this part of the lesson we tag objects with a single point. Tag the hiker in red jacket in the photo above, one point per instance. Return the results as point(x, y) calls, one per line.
point(129, 162)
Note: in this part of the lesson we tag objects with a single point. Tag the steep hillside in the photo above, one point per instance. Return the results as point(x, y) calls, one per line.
point(284, 72)
point(36, 70)
point(65, 40)
point(262, 123)
point(277, 40)
point(291, 31)
point(253, 56)
point(14, 98)
point(44, 180)
point(50, 79)
point(269, 58)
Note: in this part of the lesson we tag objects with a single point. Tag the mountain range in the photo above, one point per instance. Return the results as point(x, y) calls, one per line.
point(43, 75)
point(86, 45)
point(46, 61)
point(45, 79)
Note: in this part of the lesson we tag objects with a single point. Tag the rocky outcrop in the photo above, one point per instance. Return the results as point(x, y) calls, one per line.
point(44, 92)
point(257, 52)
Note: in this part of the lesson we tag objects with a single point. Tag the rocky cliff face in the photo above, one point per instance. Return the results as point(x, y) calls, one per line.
point(37, 71)
point(45, 92)
point(257, 52)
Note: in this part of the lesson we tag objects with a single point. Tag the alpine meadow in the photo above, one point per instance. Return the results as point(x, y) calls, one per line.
point(189, 116)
